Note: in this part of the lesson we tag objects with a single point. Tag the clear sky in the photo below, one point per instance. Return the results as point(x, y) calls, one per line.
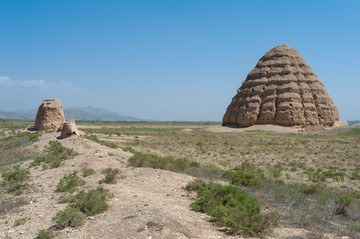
point(172, 59)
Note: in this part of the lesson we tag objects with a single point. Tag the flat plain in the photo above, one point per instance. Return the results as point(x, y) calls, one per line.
point(303, 175)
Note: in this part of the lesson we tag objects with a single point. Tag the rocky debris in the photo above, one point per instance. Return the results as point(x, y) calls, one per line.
point(282, 89)
point(50, 115)
point(69, 128)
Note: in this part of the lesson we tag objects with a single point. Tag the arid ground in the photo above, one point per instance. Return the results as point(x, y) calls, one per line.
point(304, 175)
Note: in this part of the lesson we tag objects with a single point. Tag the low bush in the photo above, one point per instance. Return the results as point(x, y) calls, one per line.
point(69, 183)
point(45, 234)
point(247, 174)
point(69, 217)
point(91, 202)
point(181, 165)
point(87, 172)
point(355, 176)
point(53, 155)
point(317, 177)
point(309, 189)
point(129, 149)
point(20, 221)
point(109, 176)
point(231, 207)
point(34, 137)
point(333, 173)
point(343, 203)
point(276, 170)
point(15, 180)
point(196, 185)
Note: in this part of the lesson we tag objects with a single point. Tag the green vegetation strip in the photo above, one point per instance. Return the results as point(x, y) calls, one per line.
point(351, 132)
point(182, 165)
point(102, 142)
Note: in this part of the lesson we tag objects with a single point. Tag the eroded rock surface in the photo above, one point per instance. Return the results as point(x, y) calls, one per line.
point(50, 115)
point(282, 89)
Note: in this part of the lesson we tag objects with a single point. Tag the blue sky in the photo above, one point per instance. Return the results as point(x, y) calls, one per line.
point(168, 60)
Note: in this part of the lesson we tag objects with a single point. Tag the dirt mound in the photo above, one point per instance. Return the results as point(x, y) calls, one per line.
point(50, 115)
point(282, 89)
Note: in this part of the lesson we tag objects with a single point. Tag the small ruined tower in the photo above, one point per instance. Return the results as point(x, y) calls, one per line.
point(50, 115)
point(69, 128)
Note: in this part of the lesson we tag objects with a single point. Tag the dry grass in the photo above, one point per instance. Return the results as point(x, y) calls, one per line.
point(305, 172)
point(290, 162)
point(300, 155)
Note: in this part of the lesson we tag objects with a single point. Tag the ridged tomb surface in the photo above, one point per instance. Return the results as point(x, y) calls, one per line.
point(282, 89)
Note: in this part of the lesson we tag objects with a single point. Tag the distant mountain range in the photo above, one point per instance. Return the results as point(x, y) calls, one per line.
point(76, 113)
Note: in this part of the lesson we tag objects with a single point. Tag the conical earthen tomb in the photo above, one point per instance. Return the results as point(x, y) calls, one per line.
point(282, 89)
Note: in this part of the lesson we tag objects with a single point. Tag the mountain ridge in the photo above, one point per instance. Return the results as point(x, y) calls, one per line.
point(77, 113)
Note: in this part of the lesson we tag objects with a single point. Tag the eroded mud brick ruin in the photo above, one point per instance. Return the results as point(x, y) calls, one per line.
point(282, 89)
point(69, 128)
point(50, 115)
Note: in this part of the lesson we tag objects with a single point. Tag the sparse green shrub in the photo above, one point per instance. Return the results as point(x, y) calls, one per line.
point(293, 169)
point(91, 202)
point(7, 237)
point(343, 203)
point(339, 178)
point(129, 149)
point(309, 189)
point(232, 208)
point(53, 156)
point(87, 172)
point(109, 176)
point(247, 174)
point(45, 234)
point(69, 217)
point(355, 176)
point(65, 198)
point(15, 180)
point(150, 161)
point(196, 184)
point(34, 137)
point(69, 183)
point(332, 173)
point(207, 170)
point(20, 221)
point(181, 164)
point(317, 177)
point(167, 163)
point(276, 170)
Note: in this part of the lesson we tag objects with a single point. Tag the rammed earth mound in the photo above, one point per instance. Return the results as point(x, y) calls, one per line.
point(282, 89)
